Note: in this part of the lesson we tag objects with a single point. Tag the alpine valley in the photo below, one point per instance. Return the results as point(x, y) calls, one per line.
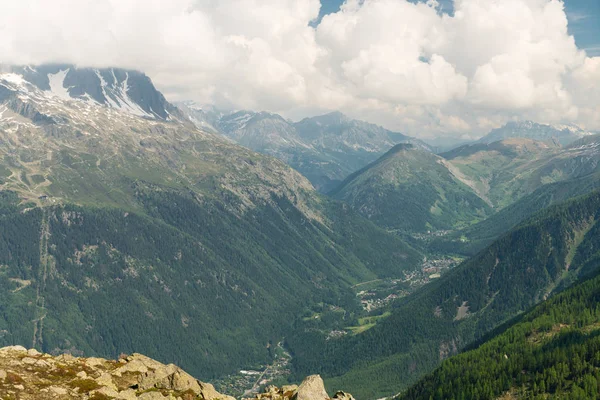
point(125, 228)
point(253, 250)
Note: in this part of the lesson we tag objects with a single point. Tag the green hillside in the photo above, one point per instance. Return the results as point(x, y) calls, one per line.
point(409, 189)
point(505, 171)
point(470, 240)
point(552, 352)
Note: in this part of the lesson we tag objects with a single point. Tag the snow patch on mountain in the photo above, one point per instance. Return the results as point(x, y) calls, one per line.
point(57, 85)
point(13, 78)
point(572, 128)
point(116, 95)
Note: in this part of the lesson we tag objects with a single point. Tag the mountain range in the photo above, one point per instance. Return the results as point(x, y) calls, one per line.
point(561, 134)
point(130, 224)
point(504, 171)
point(410, 190)
point(325, 149)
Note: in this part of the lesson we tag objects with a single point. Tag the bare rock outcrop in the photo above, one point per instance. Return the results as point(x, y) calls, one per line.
point(312, 388)
point(29, 374)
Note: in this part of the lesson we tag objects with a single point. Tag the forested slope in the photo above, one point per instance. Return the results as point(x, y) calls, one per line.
point(522, 268)
point(475, 238)
point(552, 352)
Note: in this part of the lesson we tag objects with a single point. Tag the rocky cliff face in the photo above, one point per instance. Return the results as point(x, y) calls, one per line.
point(29, 374)
point(126, 90)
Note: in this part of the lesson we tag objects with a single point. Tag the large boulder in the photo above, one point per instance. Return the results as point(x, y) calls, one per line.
point(208, 392)
point(312, 388)
point(171, 377)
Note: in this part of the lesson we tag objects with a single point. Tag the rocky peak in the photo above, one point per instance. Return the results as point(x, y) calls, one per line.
point(29, 374)
point(332, 118)
point(127, 90)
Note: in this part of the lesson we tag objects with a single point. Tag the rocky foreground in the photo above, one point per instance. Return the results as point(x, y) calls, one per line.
point(29, 374)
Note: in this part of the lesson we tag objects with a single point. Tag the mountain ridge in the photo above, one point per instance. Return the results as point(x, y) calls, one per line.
point(562, 134)
point(411, 190)
point(127, 90)
point(324, 148)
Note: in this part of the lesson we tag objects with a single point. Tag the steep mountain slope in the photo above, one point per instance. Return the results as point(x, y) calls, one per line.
point(205, 118)
point(126, 90)
point(522, 268)
point(262, 131)
point(411, 190)
point(507, 170)
point(562, 134)
point(551, 352)
point(124, 233)
point(325, 149)
point(475, 238)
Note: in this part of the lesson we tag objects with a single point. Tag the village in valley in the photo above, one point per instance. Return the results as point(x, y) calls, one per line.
point(375, 298)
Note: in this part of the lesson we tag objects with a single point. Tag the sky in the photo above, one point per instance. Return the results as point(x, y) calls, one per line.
point(583, 16)
point(454, 68)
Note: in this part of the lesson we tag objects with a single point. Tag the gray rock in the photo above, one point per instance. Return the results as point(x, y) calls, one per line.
point(169, 377)
point(342, 396)
point(312, 388)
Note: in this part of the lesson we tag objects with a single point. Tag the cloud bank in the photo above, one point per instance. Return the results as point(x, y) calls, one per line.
point(404, 65)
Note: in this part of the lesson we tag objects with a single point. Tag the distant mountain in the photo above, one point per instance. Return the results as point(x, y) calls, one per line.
point(265, 132)
point(562, 134)
point(550, 352)
point(444, 144)
point(336, 132)
point(204, 117)
point(473, 239)
point(538, 258)
point(413, 190)
point(325, 149)
point(126, 90)
point(507, 170)
point(123, 231)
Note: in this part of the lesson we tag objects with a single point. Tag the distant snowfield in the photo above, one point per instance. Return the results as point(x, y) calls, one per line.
point(57, 85)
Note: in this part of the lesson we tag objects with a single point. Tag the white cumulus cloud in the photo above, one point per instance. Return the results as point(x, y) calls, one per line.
point(401, 64)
